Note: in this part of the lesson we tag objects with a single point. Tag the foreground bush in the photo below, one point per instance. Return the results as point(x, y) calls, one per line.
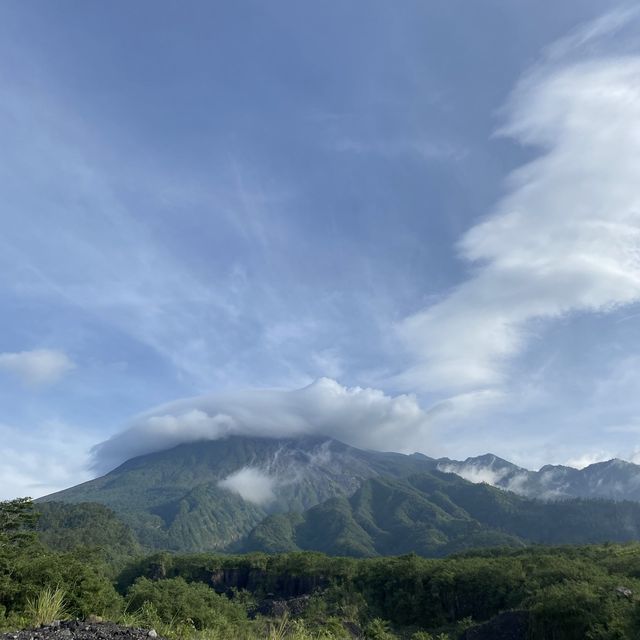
point(175, 600)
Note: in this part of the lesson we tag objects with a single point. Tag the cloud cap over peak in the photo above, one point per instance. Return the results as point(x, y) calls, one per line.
point(359, 416)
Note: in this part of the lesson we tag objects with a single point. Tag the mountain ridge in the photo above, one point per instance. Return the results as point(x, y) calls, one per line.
point(265, 493)
point(613, 479)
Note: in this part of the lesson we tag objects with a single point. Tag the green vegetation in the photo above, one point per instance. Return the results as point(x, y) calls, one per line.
point(47, 606)
point(346, 502)
point(65, 527)
point(17, 520)
point(564, 593)
point(172, 499)
point(34, 581)
point(436, 514)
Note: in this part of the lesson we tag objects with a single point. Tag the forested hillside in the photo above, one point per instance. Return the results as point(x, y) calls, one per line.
point(317, 494)
point(178, 499)
point(564, 593)
point(64, 527)
point(437, 514)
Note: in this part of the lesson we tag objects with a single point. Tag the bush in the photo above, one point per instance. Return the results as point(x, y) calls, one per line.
point(177, 601)
point(85, 584)
point(378, 629)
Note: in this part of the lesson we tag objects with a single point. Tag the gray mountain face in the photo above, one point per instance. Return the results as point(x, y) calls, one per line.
point(611, 480)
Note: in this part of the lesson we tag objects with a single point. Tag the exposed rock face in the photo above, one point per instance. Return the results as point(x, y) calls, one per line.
point(283, 586)
point(510, 625)
point(278, 608)
point(624, 592)
point(77, 630)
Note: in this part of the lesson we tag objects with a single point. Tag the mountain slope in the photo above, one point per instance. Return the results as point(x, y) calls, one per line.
point(611, 480)
point(436, 514)
point(318, 493)
point(384, 517)
point(209, 495)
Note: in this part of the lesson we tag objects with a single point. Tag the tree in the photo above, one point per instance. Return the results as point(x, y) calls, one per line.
point(17, 522)
point(17, 525)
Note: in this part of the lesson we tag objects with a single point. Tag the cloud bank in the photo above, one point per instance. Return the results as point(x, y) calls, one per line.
point(37, 367)
point(564, 239)
point(362, 417)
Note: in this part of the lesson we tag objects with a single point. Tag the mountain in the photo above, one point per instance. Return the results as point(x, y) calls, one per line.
point(243, 493)
point(611, 480)
point(209, 495)
point(435, 514)
point(383, 517)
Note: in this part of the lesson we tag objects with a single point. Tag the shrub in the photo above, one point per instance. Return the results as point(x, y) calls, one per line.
point(378, 629)
point(177, 601)
point(47, 606)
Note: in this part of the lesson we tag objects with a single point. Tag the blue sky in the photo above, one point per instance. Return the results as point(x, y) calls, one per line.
point(408, 225)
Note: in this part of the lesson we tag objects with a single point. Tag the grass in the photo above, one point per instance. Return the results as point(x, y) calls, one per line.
point(279, 630)
point(283, 628)
point(47, 606)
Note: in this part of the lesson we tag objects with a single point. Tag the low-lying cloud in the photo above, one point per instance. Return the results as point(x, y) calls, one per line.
point(362, 417)
point(252, 485)
point(37, 367)
point(475, 473)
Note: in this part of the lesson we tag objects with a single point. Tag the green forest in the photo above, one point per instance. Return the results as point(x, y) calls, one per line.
point(567, 592)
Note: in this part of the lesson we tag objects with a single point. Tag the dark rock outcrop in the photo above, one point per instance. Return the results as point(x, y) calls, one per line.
point(284, 586)
point(275, 608)
point(510, 625)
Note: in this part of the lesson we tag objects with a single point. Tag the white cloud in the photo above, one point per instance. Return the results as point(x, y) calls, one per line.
point(38, 367)
point(358, 416)
point(462, 406)
point(46, 458)
point(251, 484)
point(592, 35)
point(586, 459)
point(475, 473)
point(564, 239)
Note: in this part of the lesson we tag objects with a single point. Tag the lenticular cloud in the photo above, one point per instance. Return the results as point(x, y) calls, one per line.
point(361, 417)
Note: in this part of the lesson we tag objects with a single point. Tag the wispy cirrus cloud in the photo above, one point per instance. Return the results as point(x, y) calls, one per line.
point(86, 246)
